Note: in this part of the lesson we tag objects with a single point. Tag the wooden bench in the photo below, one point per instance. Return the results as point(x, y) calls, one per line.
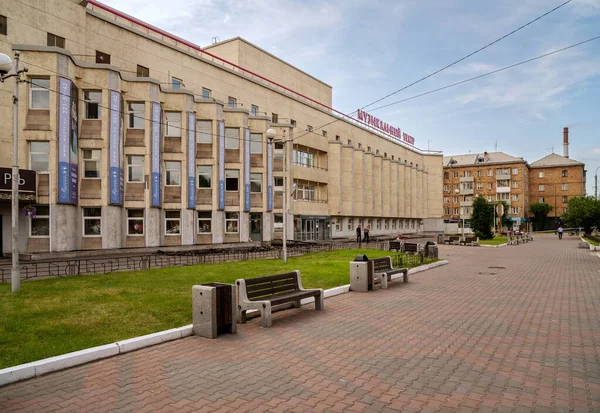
point(383, 271)
point(470, 240)
point(411, 248)
point(263, 293)
point(452, 240)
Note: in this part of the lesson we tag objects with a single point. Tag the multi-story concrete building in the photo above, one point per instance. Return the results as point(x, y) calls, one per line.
point(555, 179)
point(496, 176)
point(138, 138)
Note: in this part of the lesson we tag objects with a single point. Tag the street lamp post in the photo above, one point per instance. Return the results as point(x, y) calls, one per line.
point(271, 133)
point(462, 220)
point(9, 69)
point(596, 183)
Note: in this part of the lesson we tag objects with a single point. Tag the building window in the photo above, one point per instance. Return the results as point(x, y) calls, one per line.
point(135, 168)
point(305, 159)
point(135, 115)
point(206, 93)
point(40, 225)
point(490, 185)
point(489, 198)
point(91, 163)
point(278, 223)
point(92, 222)
point(490, 172)
point(541, 188)
point(454, 174)
point(92, 100)
point(39, 93)
point(515, 210)
point(309, 128)
point(369, 149)
point(232, 177)
point(231, 102)
point(204, 222)
point(466, 174)
point(232, 222)
point(564, 210)
point(254, 110)
point(479, 173)
point(565, 187)
point(39, 155)
point(515, 171)
point(337, 138)
point(565, 199)
point(54, 40)
point(446, 187)
point(293, 122)
point(278, 182)
point(172, 173)
point(176, 83)
point(3, 25)
point(479, 186)
point(102, 57)
point(274, 118)
point(541, 174)
point(173, 124)
point(541, 199)
point(142, 71)
point(305, 192)
point(386, 224)
point(565, 173)
point(324, 132)
point(515, 197)
point(135, 222)
point(204, 131)
point(393, 224)
point(446, 200)
point(256, 145)
point(446, 175)
point(455, 187)
point(255, 182)
point(515, 184)
point(172, 222)
point(232, 138)
point(204, 176)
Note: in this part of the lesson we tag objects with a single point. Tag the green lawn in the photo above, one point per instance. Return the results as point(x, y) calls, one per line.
point(56, 316)
point(591, 241)
point(497, 240)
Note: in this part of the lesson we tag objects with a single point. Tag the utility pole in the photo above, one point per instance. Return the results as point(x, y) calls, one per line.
point(596, 183)
point(7, 72)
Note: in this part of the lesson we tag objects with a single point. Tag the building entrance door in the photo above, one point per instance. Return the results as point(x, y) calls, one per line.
point(256, 227)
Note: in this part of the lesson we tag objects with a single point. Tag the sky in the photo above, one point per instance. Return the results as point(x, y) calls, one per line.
point(366, 49)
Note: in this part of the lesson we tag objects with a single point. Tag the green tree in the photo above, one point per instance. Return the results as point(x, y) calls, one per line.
point(482, 219)
point(584, 212)
point(540, 211)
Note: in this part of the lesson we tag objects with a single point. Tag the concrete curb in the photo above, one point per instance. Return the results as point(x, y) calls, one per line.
point(493, 246)
point(37, 368)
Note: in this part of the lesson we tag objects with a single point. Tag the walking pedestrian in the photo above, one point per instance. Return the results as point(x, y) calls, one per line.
point(358, 234)
point(560, 231)
point(366, 232)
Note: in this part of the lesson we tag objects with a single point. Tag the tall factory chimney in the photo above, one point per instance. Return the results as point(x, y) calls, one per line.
point(566, 142)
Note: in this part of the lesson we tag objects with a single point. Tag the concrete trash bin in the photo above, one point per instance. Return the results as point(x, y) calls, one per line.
point(361, 274)
point(214, 309)
point(440, 239)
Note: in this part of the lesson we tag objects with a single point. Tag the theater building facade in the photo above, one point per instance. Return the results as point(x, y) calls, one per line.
point(136, 138)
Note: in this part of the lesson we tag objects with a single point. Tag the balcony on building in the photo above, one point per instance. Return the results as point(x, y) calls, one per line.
point(467, 179)
point(467, 191)
point(501, 174)
point(503, 189)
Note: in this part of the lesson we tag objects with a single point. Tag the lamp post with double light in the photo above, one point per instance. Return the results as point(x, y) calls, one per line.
point(9, 69)
point(271, 133)
point(457, 191)
point(596, 183)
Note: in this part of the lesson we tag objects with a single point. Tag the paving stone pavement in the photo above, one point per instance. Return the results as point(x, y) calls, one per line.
point(513, 329)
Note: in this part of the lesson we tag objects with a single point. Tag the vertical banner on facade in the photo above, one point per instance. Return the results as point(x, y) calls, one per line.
point(68, 171)
point(156, 132)
point(191, 181)
point(115, 150)
point(269, 177)
point(246, 169)
point(221, 165)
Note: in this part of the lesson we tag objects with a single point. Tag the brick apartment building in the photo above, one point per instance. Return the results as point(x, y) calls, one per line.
point(498, 176)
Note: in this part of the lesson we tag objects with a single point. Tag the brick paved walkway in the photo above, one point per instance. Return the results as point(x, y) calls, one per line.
point(498, 329)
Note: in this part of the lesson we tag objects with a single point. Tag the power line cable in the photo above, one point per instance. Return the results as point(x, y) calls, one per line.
point(469, 55)
point(488, 73)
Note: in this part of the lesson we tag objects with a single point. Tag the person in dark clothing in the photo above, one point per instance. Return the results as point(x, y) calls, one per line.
point(358, 233)
point(366, 232)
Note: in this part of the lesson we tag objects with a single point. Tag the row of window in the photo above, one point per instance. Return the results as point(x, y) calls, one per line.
point(92, 222)
point(499, 172)
point(469, 211)
point(387, 224)
point(565, 187)
point(502, 183)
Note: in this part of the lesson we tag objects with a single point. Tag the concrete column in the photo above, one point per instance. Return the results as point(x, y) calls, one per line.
point(377, 195)
point(267, 226)
point(407, 191)
point(347, 178)
point(413, 192)
point(218, 227)
point(112, 227)
point(188, 227)
point(368, 184)
point(385, 188)
point(358, 184)
point(244, 226)
point(67, 227)
point(154, 226)
point(393, 189)
point(334, 186)
point(401, 189)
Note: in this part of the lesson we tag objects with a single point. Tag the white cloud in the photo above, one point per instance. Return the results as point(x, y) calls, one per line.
point(596, 150)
